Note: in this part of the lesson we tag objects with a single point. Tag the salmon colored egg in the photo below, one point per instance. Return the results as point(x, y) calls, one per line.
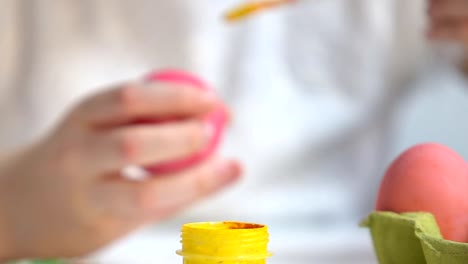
point(429, 178)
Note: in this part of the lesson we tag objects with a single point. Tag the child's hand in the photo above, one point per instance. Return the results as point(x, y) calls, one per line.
point(449, 20)
point(64, 196)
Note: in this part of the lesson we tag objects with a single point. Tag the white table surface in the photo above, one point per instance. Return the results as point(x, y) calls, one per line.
point(294, 246)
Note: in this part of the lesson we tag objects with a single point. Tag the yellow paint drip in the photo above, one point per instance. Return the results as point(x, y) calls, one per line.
point(224, 243)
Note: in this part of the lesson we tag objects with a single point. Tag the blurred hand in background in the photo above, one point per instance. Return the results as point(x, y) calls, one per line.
point(449, 22)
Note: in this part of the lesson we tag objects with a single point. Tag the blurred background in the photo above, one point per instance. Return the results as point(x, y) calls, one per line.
point(325, 93)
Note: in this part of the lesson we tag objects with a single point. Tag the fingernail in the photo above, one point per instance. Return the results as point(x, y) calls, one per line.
point(209, 130)
point(209, 97)
point(229, 171)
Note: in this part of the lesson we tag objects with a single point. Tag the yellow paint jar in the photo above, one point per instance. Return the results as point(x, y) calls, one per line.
point(224, 243)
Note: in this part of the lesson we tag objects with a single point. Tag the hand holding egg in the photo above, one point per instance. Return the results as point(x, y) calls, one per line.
point(64, 196)
point(215, 121)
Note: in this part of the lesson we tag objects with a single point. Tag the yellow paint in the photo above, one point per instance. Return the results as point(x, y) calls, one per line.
point(251, 8)
point(224, 243)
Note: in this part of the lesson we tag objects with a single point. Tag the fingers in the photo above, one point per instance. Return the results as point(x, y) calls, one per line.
point(116, 198)
point(448, 9)
point(135, 101)
point(145, 144)
point(164, 195)
point(450, 31)
point(449, 20)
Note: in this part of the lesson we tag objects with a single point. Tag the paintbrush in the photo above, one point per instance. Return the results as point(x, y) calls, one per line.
point(250, 8)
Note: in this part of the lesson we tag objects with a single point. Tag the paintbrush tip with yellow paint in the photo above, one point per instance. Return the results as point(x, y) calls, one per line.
point(250, 8)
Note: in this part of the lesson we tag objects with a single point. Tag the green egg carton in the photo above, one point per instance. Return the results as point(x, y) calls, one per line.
point(412, 238)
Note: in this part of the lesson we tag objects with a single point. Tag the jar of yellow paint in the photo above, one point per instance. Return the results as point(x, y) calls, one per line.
point(224, 243)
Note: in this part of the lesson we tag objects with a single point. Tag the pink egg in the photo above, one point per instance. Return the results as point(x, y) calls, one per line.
point(216, 118)
point(429, 178)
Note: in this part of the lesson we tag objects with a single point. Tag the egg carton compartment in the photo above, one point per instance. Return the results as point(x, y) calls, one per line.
point(412, 238)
